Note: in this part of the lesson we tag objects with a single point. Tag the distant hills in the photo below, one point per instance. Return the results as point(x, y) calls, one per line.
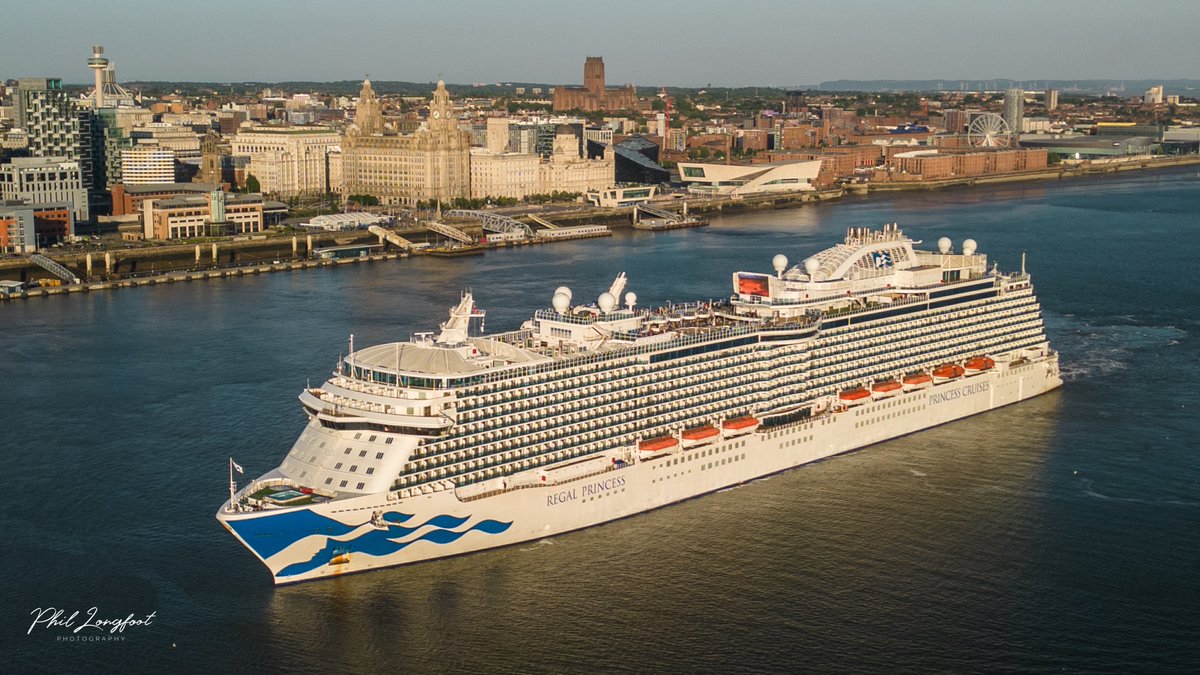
point(1095, 87)
point(1124, 88)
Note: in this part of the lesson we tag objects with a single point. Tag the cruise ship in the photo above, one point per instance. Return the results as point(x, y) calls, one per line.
point(457, 441)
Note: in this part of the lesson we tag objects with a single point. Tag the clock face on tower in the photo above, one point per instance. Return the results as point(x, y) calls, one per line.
point(436, 114)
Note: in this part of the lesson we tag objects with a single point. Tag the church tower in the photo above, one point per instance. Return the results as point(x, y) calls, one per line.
point(593, 75)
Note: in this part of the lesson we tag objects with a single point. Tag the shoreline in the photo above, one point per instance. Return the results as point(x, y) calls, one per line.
point(614, 218)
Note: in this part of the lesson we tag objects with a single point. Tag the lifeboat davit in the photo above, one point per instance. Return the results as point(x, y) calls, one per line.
point(658, 445)
point(947, 372)
point(739, 426)
point(700, 436)
point(917, 381)
point(855, 396)
point(979, 364)
point(886, 388)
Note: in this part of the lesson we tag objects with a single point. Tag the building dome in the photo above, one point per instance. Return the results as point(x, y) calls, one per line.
point(564, 130)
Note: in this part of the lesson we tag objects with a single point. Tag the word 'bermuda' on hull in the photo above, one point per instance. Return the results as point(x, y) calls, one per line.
point(461, 441)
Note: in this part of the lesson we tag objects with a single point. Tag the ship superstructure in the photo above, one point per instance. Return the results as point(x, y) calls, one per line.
point(457, 440)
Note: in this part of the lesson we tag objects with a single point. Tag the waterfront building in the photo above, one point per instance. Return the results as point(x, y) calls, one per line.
point(636, 161)
point(148, 164)
point(1153, 96)
point(734, 180)
point(519, 175)
point(44, 180)
point(930, 164)
point(26, 228)
point(288, 161)
point(568, 170)
point(432, 163)
point(618, 197)
point(505, 174)
point(217, 213)
point(594, 95)
point(128, 199)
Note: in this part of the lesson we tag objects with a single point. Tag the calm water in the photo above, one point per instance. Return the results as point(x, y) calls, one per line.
point(1062, 534)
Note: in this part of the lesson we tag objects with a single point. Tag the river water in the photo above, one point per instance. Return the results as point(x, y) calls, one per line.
point(1061, 534)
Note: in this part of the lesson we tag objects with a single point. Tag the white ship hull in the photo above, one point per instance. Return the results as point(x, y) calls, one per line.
point(349, 535)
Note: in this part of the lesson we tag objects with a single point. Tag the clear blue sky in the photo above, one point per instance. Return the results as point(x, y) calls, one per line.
point(647, 42)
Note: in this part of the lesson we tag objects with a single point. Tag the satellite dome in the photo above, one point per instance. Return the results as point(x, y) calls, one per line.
point(565, 291)
point(811, 266)
point(779, 262)
point(561, 302)
point(630, 299)
point(944, 245)
point(969, 247)
point(606, 302)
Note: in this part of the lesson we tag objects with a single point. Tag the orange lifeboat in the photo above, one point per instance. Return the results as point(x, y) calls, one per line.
point(855, 396)
point(886, 388)
point(739, 425)
point(946, 372)
point(658, 444)
point(978, 364)
point(917, 381)
point(700, 436)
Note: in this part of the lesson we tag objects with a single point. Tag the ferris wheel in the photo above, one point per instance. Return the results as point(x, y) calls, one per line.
point(989, 130)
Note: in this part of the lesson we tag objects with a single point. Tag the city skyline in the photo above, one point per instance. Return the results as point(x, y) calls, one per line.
point(668, 43)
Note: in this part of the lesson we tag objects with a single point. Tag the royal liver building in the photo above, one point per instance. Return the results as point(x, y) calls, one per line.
point(430, 164)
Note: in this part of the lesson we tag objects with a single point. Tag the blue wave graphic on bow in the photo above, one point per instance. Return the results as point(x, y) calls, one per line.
point(381, 542)
point(273, 532)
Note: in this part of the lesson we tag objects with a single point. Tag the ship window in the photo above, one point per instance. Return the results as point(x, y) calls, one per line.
point(379, 455)
point(362, 453)
point(389, 441)
point(353, 468)
point(328, 480)
point(360, 486)
point(372, 438)
point(358, 436)
point(347, 451)
point(343, 484)
point(339, 466)
point(370, 470)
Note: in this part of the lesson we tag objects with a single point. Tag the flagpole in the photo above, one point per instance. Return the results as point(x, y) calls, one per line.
point(232, 487)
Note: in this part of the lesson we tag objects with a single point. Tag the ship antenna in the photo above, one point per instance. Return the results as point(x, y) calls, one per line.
point(1022, 263)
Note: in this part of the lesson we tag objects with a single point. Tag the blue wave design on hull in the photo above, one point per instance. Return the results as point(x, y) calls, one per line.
point(380, 543)
point(271, 533)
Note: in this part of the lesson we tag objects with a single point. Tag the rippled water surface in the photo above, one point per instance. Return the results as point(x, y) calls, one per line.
point(1061, 534)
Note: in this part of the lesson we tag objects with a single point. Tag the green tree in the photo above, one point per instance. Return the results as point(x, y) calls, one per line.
point(363, 200)
point(252, 184)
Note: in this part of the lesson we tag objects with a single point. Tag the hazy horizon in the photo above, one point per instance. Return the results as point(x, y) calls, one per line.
point(695, 44)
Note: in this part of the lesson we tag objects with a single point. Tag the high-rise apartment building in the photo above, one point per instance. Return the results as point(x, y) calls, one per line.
point(1014, 109)
point(1051, 99)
